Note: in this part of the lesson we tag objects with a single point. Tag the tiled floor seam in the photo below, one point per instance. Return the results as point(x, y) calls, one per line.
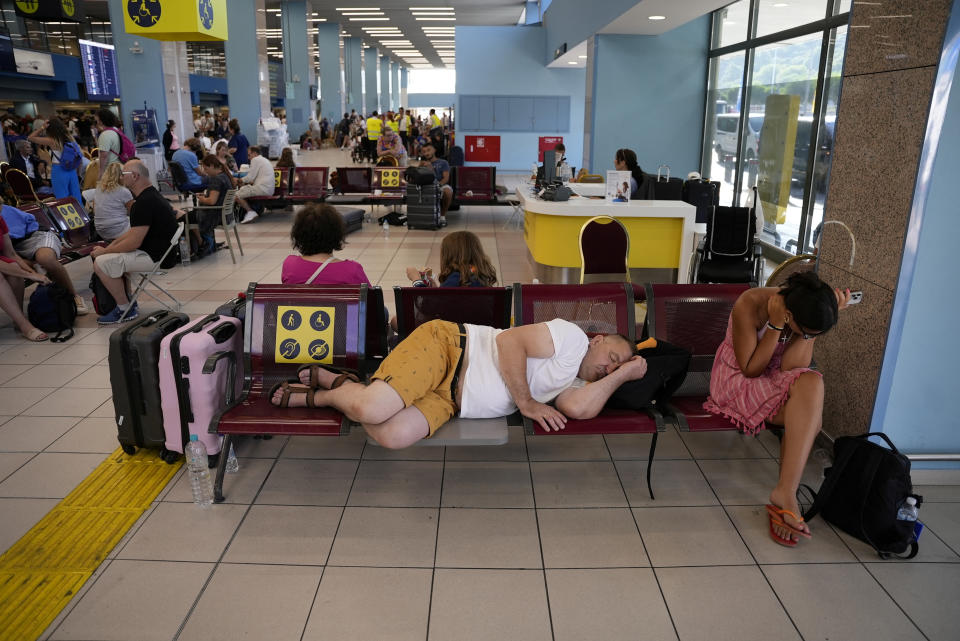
point(536, 518)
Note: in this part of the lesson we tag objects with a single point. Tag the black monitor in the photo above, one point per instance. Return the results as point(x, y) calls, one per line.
point(549, 166)
point(99, 71)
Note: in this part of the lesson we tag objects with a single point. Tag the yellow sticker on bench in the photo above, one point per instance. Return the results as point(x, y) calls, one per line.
point(277, 178)
point(390, 178)
point(70, 216)
point(304, 334)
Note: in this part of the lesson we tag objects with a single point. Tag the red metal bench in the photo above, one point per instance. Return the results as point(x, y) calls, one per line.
point(287, 326)
point(282, 180)
point(600, 308)
point(693, 317)
point(388, 186)
point(354, 185)
point(475, 185)
point(67, 218)
point(474, 305)
point(309, 185)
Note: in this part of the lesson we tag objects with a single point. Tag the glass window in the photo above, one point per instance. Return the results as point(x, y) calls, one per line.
point(843, 6)
point(730, 24)
point(824, 156)
point(723, 121)
point(778, 15)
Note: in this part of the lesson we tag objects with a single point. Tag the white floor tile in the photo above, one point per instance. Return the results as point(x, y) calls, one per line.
point(33, 433)
point(184, 532)
point(51, 476)
point(394, 537)
point(19, 515)
point(470, 538)
point(926, 592)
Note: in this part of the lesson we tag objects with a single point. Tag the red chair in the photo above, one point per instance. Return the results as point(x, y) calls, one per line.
point(604, 250)
point(475, 185)
point(391, 184)
point(66, 217)
point(601, 308)
point(287, 326)
point(354, 185)
point(22, 188)
point(694, 317)
point(282, 180)
point(309, 184)
point(474, 305)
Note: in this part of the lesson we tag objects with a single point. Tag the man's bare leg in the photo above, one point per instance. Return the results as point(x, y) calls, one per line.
point(374, 403)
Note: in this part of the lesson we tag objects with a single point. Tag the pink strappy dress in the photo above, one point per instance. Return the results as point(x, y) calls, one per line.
point(747, 402)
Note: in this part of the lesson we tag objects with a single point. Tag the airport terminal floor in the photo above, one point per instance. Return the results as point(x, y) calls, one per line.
point(542, 538)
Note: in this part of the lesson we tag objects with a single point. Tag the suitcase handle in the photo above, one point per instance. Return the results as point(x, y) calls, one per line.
point(662, 167)
point(223, 333)
point(211, 364)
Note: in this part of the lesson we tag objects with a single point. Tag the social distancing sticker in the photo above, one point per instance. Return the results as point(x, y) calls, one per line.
point(390, 178)
point(70, 216)
point(304, 334)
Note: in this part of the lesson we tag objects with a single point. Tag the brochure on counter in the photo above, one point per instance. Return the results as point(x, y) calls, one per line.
point(618, 186)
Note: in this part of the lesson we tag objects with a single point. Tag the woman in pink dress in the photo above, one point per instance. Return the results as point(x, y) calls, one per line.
point(762, 373)
point(317, 232)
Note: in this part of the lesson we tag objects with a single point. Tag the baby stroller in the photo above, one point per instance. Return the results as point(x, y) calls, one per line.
point(357, 153)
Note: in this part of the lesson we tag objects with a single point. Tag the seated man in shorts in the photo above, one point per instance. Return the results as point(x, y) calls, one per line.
point(444, 368)
point(40, 247)
point(259, 181)
point(152, 225)
point(441, 169)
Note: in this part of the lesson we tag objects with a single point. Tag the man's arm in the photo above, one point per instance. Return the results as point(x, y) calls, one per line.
point(129, 241)
point(587, 401)
point(444, 179)
point(514, 347)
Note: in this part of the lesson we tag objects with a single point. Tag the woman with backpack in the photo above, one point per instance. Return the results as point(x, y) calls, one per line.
point(113, 146)
point(66, 157)
point(762, 373)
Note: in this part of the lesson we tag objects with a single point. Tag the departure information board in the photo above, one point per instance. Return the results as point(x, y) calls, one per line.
point(99, 71)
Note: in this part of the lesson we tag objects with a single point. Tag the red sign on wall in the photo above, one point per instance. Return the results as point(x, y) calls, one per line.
point(546, 144)
point(482, 149)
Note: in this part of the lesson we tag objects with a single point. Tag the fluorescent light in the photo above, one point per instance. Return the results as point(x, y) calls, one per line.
point(656, 17)
point(448, 19)
point(431, 8)
point(358, 8)
point(582, 57)
point(363, 13)
point(573, 62)
point(368, 19)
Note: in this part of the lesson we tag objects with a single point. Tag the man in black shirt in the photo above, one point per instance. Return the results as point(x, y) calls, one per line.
point(152, 226)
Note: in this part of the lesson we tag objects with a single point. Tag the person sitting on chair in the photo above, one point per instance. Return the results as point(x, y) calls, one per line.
point(113, 202)
point(259, 181)
point(390, 146)
point(188, 158)
point(762, 373)
point(441, 169)
point(317, 232)
point(443, 368)
point(29, 163)
point(205, 221)
point(13, 271)
point(152, 225)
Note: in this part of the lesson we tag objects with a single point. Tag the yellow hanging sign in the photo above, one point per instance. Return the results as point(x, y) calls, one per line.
point(181, 20)
point(304, 335)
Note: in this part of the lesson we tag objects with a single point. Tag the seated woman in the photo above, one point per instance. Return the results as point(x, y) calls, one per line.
point(390, 145)
point(112, 202)
point(205, 221)
point(13, 271)
point(762, 373)
point(317, 232)
point(223, 155)
point(286, 158)
point(641, 184)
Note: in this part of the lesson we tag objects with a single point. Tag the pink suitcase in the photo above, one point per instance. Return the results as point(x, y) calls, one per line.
point(195, 372)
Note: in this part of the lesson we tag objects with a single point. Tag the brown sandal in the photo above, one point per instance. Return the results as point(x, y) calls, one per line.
point(289, 389)
point(315, 376)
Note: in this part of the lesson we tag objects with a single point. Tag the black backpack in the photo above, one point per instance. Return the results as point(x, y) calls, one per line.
point(53, 309)
point(667, 366)
point(863, 491)
point(420, 176)
point(103, 301)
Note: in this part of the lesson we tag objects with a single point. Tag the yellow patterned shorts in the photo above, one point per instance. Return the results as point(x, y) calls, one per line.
point(424, 369)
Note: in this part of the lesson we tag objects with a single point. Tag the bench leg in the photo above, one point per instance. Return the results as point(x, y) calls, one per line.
point(222, 468)
point(653, 448)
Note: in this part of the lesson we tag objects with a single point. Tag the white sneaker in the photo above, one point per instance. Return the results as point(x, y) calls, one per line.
point(81, 306)
point(249, 217)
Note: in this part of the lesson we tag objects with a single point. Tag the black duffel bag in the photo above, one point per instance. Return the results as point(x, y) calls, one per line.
point(420, 176)
point(667, 366)
point(863, 491)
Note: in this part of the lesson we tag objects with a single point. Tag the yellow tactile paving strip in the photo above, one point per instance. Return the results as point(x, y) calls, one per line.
point(42, 571)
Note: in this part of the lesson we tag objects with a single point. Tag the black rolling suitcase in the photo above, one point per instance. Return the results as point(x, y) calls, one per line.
point(702, 194)
point(135, 379)
point(423, 206)
point(667, 188)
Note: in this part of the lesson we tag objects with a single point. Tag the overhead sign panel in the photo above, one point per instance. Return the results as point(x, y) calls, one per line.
point(46, 10)
point(184, 20)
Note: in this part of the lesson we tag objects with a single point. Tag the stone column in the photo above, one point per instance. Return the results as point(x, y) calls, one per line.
point(297, 66)
point(353, 66)
point(386, 101)
point(888, 80)
point(371, 98)
point(140, 77)
point(176, 81)
point(328, 46)
point(248, 77)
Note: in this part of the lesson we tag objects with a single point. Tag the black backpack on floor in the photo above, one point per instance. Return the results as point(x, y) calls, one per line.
point(103, 301)
point(863, 491)
point(53, 309)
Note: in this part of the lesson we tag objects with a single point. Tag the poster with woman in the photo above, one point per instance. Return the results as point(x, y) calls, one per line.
point(618, 186)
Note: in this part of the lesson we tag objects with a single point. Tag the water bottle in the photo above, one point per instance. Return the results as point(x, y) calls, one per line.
point(184, 251)
point(233, 465)
point(386, 228)
point(199, 471)
point(908, 510)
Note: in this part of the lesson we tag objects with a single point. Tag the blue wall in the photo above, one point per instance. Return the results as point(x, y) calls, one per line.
point(140, 75)
point(573, 21)
point(62, 86)
point(213, 89)
point(917, 395)
point(508, 61)
point(649, 96)
point(424, 100)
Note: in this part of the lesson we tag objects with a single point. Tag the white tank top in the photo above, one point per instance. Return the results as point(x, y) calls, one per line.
point(485, 394)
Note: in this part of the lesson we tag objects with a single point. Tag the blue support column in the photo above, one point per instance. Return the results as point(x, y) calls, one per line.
point(328, 46)
point(403, 87)
point(395, 84)
point(248, 79)
point(353, 67)
point(371, 98)
point(140, 74)
point(385, 101)
point(297, 67)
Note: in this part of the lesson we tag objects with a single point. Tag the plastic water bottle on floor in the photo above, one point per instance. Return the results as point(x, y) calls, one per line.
point(233, 465)
point(184, 251)
point(199, 471)
point(386, 228)
point(908, 511)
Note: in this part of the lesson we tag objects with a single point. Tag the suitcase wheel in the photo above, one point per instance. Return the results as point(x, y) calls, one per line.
point(169, 456)
point(128, 449)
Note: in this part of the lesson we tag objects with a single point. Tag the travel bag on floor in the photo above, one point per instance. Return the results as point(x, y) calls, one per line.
point(134, 376)
point(667, 188)
point(195, 362)
point(423, 206)
point(702, 194)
